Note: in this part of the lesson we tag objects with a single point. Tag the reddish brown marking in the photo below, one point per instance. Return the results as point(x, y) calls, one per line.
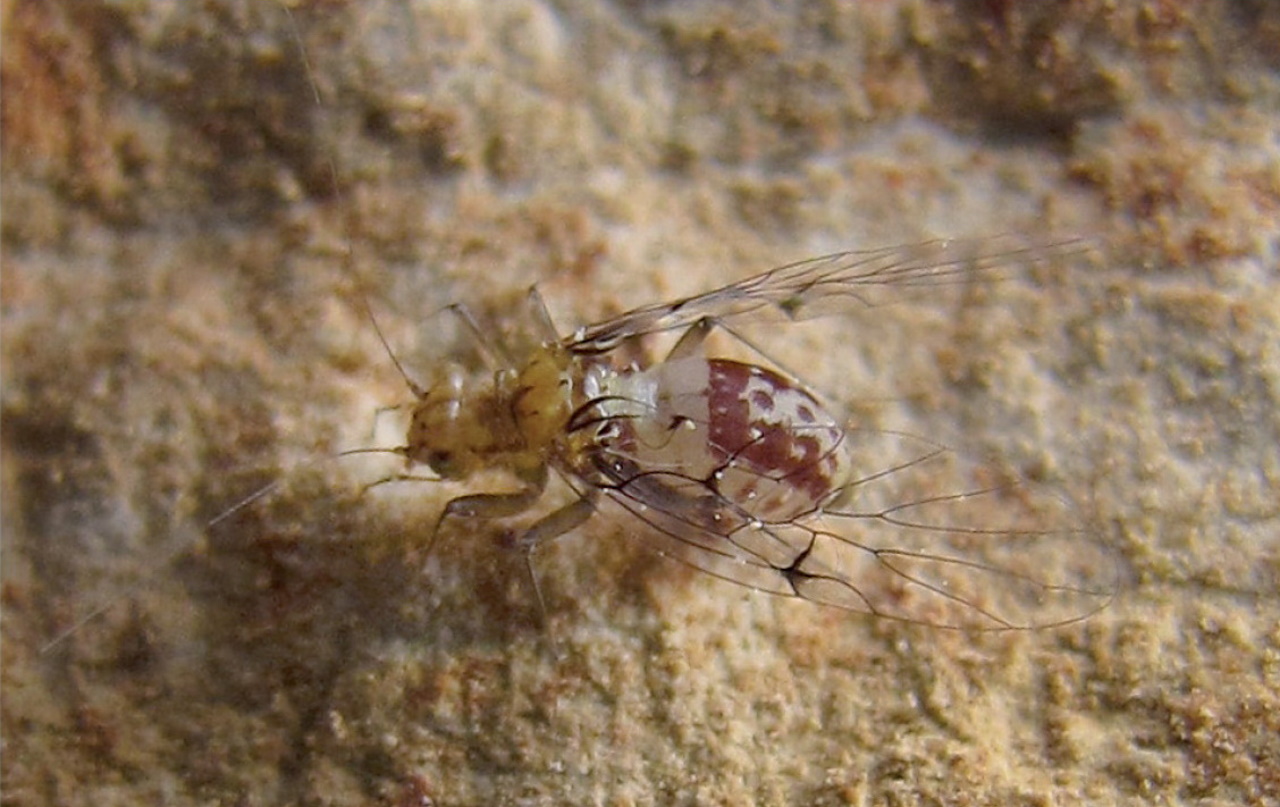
point(761, 440)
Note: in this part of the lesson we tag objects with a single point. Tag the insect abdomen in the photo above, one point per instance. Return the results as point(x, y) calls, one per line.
point(781, 454)
point(739, 437)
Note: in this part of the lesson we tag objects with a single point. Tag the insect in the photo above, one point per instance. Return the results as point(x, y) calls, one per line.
point(737, 468)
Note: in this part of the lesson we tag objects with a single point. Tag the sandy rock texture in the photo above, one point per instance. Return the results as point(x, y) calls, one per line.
point(199, 197)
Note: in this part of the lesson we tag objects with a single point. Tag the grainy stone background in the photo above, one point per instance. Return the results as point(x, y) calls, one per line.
point(181, 327)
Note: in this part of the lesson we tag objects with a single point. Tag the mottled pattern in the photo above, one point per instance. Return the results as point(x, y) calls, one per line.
point(790, 449)
point(712, 433)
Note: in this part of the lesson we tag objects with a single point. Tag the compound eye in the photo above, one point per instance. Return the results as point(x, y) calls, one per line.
point(439, 461)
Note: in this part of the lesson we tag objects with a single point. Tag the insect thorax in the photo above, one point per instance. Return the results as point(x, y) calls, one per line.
point(509, 421)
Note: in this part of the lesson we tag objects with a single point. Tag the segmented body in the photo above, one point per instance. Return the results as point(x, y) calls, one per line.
point(741, 471)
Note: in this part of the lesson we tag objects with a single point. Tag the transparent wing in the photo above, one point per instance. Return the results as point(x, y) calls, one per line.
point(836, 282)
point(923, 535)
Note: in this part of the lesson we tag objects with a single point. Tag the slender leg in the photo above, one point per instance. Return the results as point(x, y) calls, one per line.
point(559, 522)
point(691, 342)
point(541, 315)
point(387, 480)
point(499, 505)
point(552, 526)
point(495, 354)
point(484, 506)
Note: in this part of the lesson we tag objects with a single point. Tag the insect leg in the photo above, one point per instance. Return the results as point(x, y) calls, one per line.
point(559, 522)
point(495, 354)
point(690, 342)
point(489, 506)
point(551, 526)
point(538, 307)
point(386, 480)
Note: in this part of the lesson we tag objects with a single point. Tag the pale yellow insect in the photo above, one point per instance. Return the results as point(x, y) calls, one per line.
point(739, 470)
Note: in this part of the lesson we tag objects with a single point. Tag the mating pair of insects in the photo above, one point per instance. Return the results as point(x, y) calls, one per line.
point(740, 470)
